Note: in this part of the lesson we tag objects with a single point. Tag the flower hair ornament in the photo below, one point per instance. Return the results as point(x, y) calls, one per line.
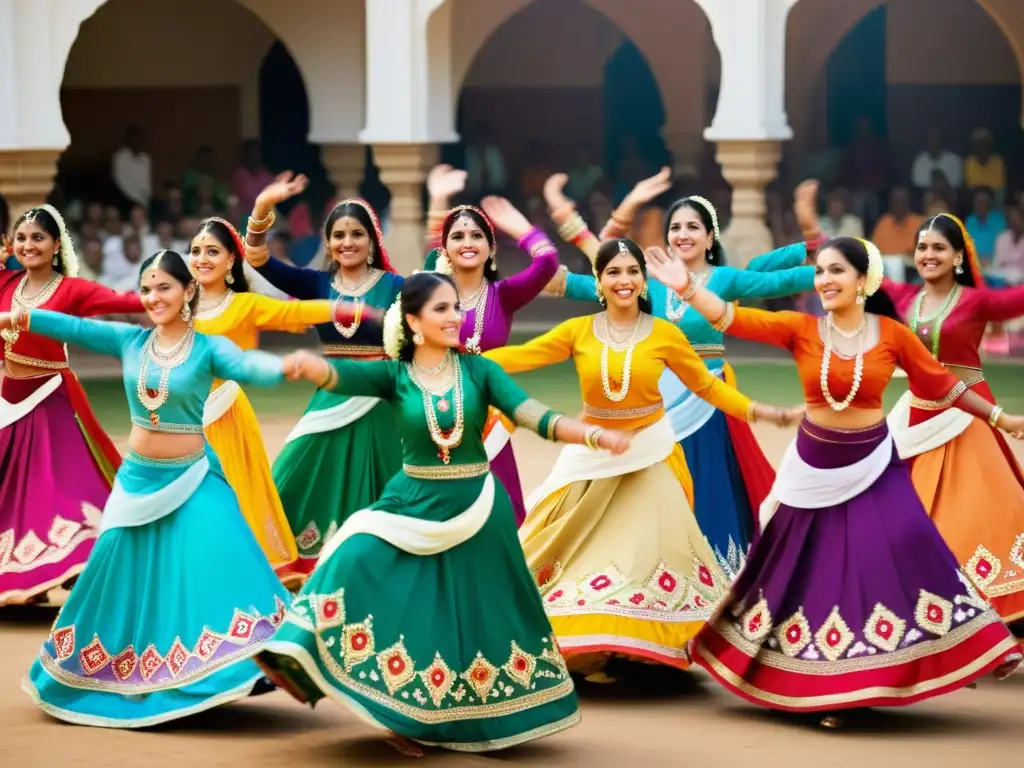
point(394, 334)
point(876, 268)
point(67, 255)
point(443, 265)
point(970, 251)
point(704, 203)
point(378, 253)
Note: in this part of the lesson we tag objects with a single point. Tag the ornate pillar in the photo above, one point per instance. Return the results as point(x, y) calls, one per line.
point(26, 177)
point(403, 169)
point(749, 167)
point(345, 164)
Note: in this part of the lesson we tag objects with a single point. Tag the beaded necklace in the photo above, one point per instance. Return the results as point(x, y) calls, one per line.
point(356, 292)
point(627, 363)
point(446, 440)
point(931, 326)
point(19, 299)
point(152, 399)
point(478, 304)
point(858, 365)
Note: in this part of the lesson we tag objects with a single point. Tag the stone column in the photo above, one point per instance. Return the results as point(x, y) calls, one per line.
point(686, 151)
point(748, 166)
point(26, 177)
point(345, 164)
point(403, 169)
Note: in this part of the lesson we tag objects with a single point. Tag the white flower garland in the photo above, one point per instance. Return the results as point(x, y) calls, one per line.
point(443, 265)
point(876, 268)
point(394, 335)
point(67, 254)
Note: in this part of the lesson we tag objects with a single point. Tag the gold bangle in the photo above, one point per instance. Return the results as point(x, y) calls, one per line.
point(269, 217)
point(722, 324)
point(690, 292)
point(330, 379)
point(590, 437)
point(752, 412)
point(993, 417)
point(552, 424)
point(257, 255)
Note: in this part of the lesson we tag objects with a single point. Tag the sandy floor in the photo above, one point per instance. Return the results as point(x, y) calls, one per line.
point(698, 725)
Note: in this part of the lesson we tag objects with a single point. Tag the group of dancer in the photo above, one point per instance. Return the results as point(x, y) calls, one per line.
point(857, 575)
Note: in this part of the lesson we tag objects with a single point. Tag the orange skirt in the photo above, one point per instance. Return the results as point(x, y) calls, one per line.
point(973, 489)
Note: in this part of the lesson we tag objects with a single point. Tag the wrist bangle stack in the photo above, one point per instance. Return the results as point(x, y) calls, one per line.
point(573, 229)
point(993, 417)
point(591, 436)
point(331, 380)
point(257, 255)
point(722, 324)
point(260, 226)
point(688, 294)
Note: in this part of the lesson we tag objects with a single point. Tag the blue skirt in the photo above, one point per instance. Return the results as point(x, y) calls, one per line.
point(169, 610)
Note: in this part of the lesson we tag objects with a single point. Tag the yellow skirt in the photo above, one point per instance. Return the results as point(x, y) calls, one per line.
point(236, 439)
point(623, 567)
point(972, 488)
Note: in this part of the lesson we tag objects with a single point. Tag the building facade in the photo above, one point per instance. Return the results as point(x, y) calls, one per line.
point(745, 76)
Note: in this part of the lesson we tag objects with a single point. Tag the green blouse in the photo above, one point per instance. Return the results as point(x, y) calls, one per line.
point(482, 383)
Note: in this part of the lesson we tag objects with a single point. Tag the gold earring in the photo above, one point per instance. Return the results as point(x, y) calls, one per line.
point(186, 311)
point(229, 278)
point(369, 257)
point(643, 293)
point(860, 295)
point(417, 339)
point(494, 262)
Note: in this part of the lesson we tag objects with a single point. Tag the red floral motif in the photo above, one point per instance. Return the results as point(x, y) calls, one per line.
point(177, 657)
point(520, 666)
point(667, 582)
point(756, 623)
point(359, 644)
point(438, 679)
point(984, 567)
point(396, 666)
point(207, 645)
point(94, 656)
point(481, 676)
point(933, 613)
point(638, 598)
point(884, 629)
point(704, 575)
point(150, 662)
point(794, 634)
point(242, 626)
point(125, 663)
point(64, 642)
point(834, 636)
point(600, 582)
point(558, 593)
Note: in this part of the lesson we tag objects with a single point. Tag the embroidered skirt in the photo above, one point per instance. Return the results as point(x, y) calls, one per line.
point(855, 604)
point(423, 618)
point(237, 441)
point(325, 473)
point(167, 614)
point(54, 478)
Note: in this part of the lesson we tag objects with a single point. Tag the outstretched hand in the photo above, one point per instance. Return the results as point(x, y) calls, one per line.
point(287, 185)
point(614, 441)
point(666, 270)
point(506, 217)
point(303, 364)
point(1014, 426)
point(445, 181)
point(649, 189)
point(805, 206)
point(554, 192)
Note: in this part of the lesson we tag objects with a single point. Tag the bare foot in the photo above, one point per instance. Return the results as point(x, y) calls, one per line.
point(831, 722)
point(405, 746)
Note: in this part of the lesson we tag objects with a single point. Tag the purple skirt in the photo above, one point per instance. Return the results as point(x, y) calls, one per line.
point(505, 469)
point(852, 605)
point(51, 494)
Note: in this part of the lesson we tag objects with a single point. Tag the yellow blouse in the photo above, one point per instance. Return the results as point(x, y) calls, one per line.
point(243, 315)
point(658, 345)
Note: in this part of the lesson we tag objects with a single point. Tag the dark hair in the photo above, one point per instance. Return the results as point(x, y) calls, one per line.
point(609, 250)
point(490, 265)
point(349, 209)
point(232, 244)
point(44, 220)
point(950, 230)
point(856, 255)
point(173, 263)
point(416, 292)
point(716, 256)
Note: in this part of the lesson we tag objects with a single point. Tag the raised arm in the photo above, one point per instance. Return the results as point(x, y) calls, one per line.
point(375, 378)
point(443, 182)
point(621, 221)
point(104, 337)
point(744, 284)
point(805, 206)
point(519, 290)
point(89, 299)
point(1002, 304)
point(553, 347)
point(260, 369)
point(900, 293)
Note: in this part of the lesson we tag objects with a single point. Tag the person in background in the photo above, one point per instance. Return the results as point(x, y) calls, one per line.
point(92, 258)
point(536, 171)
point(250, 177)
point(202, 174)
point(866, 169)
point(583, 175)
point(485, 165)
point(1008, 263)
point(162, 238)
point(896, 231)
point(126, 277)
point(984, 167)
point(138, 218)
point(838, 221)
point(172, 204)
point(935, 157)
point(984, 224)
point(113, 224)
point(132, 171)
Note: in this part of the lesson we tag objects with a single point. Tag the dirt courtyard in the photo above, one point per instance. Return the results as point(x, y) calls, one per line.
point(696, 724)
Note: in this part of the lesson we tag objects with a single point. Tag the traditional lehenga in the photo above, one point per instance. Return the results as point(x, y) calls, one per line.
point(731, 475)
point(849, 598)
point(488, 325)
point(612, 540)
point(231, 426)
point(177, 595)
point(393, 621)
point(344, 449)
point(966, 474)
point(48, 513)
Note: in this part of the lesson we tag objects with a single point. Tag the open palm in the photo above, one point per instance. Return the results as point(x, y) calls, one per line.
point(650, 189)
point(670, 272)
point(287, 185)
point(554, 194)
point(444, 181)
point(506, 217)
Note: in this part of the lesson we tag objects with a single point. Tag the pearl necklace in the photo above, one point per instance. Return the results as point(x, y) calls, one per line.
point(152, 399)
point(436, 369)
point(858, 365)
point(446, 440)
point(19, 299)
point(675, 307)
point(630, 344)
point(219, 302)
point(355, 292)
point(476, 303)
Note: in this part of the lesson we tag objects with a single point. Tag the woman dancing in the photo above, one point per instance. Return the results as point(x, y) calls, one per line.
point(339, 456)
point(959, 464)
point(228, 308)
point(849, 598)
point(613, 544)
point(48, 516)
point(463, 245)
point(177, 595)
point(731, 475)
point(390, 622)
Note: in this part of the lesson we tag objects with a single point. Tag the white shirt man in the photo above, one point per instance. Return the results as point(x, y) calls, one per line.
point(132, 171)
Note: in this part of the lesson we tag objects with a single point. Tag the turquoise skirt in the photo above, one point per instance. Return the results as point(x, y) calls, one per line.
point(173, 603)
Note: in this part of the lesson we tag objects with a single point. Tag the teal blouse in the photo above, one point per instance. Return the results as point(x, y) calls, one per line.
point(212, 357)
point(483, 384)
point(774, 274)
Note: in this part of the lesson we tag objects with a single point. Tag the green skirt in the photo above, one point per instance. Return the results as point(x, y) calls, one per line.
point(324, 477)
point(450, 649)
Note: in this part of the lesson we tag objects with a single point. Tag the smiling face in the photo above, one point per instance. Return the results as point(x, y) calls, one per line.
point(836, 280)
point(349, 242)
point(467, 246)
point(935, 258)
point(210, 260)
point(34, 247)
point(440, 320)
point(688, 238)
point(163, 296)
point(622, 281)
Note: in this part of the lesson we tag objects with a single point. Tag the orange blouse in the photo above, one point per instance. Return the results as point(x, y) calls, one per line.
point(897, 346)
